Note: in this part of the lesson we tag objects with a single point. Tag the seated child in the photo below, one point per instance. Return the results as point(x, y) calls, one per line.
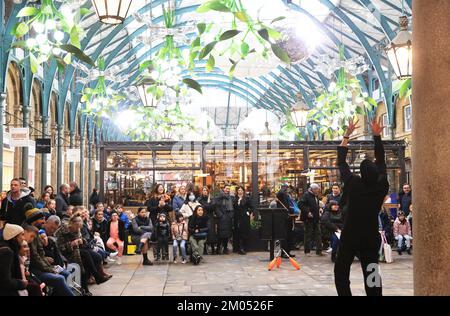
point(179, 236)
point(402, 231)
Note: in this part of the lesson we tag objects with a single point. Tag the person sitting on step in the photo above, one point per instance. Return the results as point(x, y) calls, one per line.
point(141, 233)
point(402, 232)
point(179, 236)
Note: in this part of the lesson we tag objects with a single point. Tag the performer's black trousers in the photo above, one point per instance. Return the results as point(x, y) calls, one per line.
point(369, 265)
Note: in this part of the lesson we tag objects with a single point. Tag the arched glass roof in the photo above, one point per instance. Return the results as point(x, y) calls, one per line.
point(362, 26)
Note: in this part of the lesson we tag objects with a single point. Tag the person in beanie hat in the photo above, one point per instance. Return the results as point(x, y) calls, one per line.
point(162, 230)
point(10, 231)
point(35, 215)
point(10, 273)
point(41, 265)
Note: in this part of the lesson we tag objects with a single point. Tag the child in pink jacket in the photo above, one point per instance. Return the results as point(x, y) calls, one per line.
point(402, 231)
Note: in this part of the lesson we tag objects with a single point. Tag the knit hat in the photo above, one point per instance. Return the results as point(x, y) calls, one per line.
point(33, 215)
point(162, 214)
point(10, 231)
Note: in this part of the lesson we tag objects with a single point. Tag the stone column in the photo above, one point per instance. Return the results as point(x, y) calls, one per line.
point(44, 181)
point(25, 150)
point(431, 149)
point(59, 155)
point(82, 148)
point(2, 108)
point(71, 164)
point(89, 162)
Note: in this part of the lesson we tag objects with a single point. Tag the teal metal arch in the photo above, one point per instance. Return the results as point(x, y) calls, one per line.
point(241, 93)
point(6, 40)
point(307, 79)
point(382, 19)
point(283, 84)
point(298, 77)
point(269, 93)
point(301, 90)
point(250, 90)
point(329, 34)
point(386, 87)
point(111, 56)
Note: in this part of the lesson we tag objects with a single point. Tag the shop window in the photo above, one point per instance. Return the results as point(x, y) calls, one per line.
point(407, 118)
point(386, 130)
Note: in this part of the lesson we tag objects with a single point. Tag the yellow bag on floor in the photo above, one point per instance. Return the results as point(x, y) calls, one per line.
point(131, 249)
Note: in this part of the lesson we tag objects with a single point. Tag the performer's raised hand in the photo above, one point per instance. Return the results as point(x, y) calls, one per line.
point(377, 127)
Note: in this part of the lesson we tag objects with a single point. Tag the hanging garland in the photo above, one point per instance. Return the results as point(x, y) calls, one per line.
point(101, 101)
point(46, 34)
point(343, 99)
point(234, 41)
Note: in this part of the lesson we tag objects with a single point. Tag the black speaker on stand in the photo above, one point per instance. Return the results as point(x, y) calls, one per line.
point(273, 226)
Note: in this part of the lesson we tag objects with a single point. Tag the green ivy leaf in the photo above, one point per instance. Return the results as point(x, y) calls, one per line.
point(278, 19)
point(201, 28)
point(228, 34)
point(359, 110)
point(146, 64)
point(19, 44)
point(193, 84)
point(244, 49)
point(372, 102)
point(280, 53)
point(404, 88)
point(68, 59)
point(77, 53)
point(242, 16)
point(74, 37)
point(21, 29)
point(159, 93)
point(207, 49)
point(264, 34)
point(232, 69)
point(27, 11)
point(274, 34)
point(84, 11)
point(33, 63)
point(215, 5)
point(210, 64)
point(196, 42)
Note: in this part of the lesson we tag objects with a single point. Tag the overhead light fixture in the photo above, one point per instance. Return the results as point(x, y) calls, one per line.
point(147, 98)
point(112, 11)
point(399, 51)
point(299, 113)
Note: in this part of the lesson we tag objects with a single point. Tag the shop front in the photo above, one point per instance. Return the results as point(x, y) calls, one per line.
point(129, 171)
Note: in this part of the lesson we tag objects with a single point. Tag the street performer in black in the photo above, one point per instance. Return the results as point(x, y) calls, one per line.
point(361, 201)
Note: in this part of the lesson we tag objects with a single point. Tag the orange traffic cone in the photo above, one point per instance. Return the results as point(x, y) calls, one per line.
point(272, 264)
point(292, 261)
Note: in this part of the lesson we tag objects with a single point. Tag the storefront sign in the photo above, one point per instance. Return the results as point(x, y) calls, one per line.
point(43, 146)
point(20, 136)
point(97, 165)
point(73, 155)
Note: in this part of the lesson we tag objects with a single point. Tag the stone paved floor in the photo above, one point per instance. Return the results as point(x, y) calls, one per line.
point(238, 275)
